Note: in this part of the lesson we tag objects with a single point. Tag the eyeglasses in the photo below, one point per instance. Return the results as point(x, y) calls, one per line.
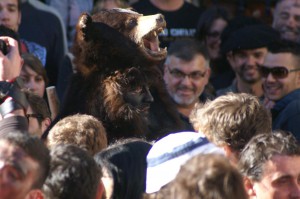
point(178, 74)
point(35, 115)
point(278, 72)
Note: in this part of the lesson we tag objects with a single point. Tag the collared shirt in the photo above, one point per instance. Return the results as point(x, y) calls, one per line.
point(286, 114)
point(232, 88)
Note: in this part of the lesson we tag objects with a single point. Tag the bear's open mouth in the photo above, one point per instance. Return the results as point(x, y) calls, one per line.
point(150, 41)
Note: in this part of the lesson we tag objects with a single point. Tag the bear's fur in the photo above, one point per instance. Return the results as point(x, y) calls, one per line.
point(115, 50)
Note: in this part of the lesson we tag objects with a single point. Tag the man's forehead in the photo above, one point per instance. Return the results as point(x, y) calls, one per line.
point(262, 50)
point(9, 149)
point(288, 4)
point(279, 165)
point(287, 56)
point(10, 2)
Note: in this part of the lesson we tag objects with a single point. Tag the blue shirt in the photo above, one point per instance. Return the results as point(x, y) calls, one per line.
point(286, 114)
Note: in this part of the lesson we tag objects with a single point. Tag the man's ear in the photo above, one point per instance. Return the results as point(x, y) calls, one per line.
point(35, 194)
point(230, 59)
point(298, 78)
point(100, 191)
point(248, 184)
point(46, 123)
point(230, 154)
point(19, 19)
point(207, 76)
point(165, 68)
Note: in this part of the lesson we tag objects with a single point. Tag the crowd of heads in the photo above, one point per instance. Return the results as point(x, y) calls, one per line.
point(240, 141)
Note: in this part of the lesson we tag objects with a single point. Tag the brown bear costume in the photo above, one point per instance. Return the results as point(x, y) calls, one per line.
point(117, 54)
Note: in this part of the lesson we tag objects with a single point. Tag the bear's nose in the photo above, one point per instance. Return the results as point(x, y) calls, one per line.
point(160, 19)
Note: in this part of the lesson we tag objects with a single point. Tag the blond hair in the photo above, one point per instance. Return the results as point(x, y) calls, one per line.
point(232, 119)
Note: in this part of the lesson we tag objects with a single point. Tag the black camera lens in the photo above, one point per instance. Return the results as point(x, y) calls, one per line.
point(3, 47)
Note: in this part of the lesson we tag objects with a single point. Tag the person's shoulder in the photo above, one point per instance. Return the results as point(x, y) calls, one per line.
point(226, 90)
point(291, 100)
point(191, 7)
point(293, 106)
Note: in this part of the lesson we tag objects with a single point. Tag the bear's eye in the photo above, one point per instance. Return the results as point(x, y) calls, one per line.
point(132, 23)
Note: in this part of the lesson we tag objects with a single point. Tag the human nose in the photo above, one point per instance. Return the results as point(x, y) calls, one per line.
point(270, 78)
point(291, 22)
point(3, 175)
point(295, 192)
point(186, 80)
point(31, 85)
point(251, 61)
point(4, 15)
point(148, 96)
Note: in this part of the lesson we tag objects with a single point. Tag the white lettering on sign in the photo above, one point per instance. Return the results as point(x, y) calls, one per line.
point(182, 32)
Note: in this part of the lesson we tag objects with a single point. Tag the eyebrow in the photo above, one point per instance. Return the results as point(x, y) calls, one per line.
point(176, 69)
point(283, 177)
point(12, 5)
point(15, 164)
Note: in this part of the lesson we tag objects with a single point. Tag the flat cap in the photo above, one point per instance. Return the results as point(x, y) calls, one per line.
point(250, 37)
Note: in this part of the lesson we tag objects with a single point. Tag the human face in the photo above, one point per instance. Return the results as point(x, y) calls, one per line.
point(109, 4)
point(276, 88)
point(287, 19)
point(10, 16)
point(33, 81)
point(186, 90)
point(245, 64)
point(139, 97)
point(34, 127)
point(17, 172)
point(280, 178)
point(213, 38)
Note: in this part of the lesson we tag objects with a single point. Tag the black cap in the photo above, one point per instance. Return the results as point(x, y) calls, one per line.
point(250, 37)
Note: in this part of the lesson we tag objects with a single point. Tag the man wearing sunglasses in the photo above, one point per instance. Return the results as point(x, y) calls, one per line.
point(186, 73)
point(281, 83)
point(245, 49)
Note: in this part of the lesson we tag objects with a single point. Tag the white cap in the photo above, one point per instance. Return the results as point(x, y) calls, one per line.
point(168, 154)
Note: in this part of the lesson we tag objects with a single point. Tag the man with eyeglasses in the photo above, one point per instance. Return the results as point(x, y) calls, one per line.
point(245, 49)
point(281, 83)
point(38, 114)
point(186, 73)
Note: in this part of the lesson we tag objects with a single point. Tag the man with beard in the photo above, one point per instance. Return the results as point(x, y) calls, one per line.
point(245, 49)
point(286, 19)
point(281, 82)
point(186, 73)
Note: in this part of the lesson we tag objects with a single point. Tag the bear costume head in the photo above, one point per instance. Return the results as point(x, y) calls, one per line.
point(116, 39)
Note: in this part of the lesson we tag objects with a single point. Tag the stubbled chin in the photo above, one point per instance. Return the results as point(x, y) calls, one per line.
point(184, 93)
point(273, 95)
point(290, 36)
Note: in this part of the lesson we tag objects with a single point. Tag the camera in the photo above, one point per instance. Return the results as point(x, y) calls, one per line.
point(3, 47)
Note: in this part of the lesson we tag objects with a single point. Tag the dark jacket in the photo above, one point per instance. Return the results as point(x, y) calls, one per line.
point(286, 114)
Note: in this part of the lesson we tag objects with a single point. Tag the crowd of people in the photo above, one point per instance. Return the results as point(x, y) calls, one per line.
point(234, 82)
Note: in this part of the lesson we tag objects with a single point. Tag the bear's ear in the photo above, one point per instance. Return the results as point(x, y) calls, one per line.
point(84, 22)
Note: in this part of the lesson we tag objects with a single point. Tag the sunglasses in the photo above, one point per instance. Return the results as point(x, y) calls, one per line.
point(214, 34)
point(278, 72)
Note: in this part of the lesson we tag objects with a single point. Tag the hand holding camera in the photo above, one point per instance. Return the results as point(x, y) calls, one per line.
point(12, 99)
point(10, 59)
